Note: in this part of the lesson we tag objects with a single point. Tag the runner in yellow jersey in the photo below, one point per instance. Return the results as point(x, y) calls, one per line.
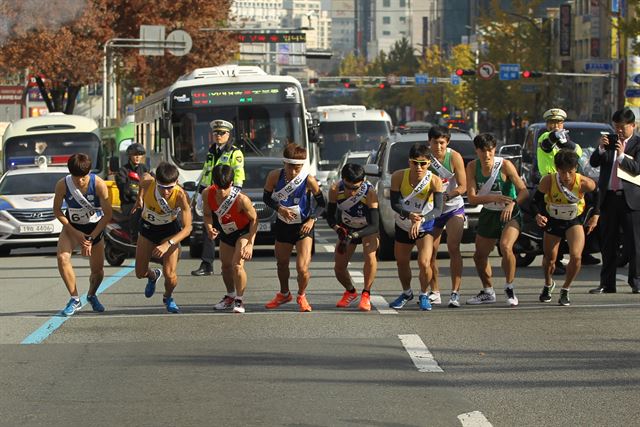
point(559, 202)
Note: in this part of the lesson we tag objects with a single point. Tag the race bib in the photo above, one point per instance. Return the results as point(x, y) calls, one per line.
point(563, 211)
point(156, 218)
point(353, 221)
point(495, 206)
point(296, 220)
point(83, 216)
point(229, 227)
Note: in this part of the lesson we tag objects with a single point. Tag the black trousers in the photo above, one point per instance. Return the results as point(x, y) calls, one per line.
point(616, 215)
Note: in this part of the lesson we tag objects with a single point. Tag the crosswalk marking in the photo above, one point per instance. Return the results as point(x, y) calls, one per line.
point(419, 353)
point(474, 419)
point(381, 305)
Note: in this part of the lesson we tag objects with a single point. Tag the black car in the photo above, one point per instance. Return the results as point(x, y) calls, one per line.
point(585, 134)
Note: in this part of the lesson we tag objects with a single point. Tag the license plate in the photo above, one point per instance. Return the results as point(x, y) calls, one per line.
point(466, 222)
point(264, 226)
point(40, 228)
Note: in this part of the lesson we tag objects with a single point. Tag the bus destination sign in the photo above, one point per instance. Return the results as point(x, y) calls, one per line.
point(235, 95)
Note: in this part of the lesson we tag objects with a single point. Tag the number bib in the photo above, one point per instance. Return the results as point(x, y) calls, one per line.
point(156, 218)
point(353, 221)
point(494, 206)
point(296, 211)
point(83, 216)
point(229, 227)
point(565, 212)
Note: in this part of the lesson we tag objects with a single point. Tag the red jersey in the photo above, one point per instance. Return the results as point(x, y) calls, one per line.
point(234, 219)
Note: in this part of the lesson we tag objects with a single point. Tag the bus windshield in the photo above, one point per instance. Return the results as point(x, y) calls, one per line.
point(265, 117)
point(57, 147)
point(340, 137)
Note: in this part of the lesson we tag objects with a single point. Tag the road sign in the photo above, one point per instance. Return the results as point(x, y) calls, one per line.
point(455, 79)
point(392, 79)
point(486, 70)
point(422, 79)
point(509, 71)
point(182, 37)
point(155, 35)
point(598, 67)
point(633, 92)
point(403, 80)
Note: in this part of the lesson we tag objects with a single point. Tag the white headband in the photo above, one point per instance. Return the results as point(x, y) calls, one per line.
point(294, 161)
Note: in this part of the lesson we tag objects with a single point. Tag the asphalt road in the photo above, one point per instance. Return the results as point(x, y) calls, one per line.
point(135, 364)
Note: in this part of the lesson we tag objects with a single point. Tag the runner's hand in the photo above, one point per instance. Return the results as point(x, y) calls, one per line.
point(246, 251)
point(287, 214)
point(541, 220)
point(415, 217)
point(342, 232)
point(507, 212)
point(307, 226)
point(415, 230)
point(212, 233)
point(592, 223)
point(499, 198)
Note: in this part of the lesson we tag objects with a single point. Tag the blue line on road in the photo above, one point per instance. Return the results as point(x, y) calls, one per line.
point(50, 326)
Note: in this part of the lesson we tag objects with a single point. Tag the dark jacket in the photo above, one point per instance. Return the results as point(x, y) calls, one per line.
point(127, 186)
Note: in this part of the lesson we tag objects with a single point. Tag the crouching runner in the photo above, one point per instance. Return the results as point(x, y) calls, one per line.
point(236, 223)
point(358, 222)
point(161, 201)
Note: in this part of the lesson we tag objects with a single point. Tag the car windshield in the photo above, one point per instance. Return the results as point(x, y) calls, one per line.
point(37, 183)
point(586, 137)
point(357, 160)
point(255, 174)
point(340, 137)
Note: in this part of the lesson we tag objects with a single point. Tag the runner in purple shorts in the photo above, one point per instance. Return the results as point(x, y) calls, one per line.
point(449, 166)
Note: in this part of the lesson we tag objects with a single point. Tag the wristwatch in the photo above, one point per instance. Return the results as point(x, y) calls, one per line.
point(171, 242)
point(89, 238)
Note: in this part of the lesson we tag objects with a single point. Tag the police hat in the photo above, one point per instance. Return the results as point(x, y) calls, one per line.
point(221, 125)
point(555, 114)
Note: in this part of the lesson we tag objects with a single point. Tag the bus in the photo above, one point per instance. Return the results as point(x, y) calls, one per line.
point(345, 128)
point(267, 113)
point(51, 140)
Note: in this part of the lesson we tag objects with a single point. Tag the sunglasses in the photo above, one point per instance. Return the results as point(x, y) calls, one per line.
point(166, 187)
point(220, 132)
point(419, 162)
point(352, 187)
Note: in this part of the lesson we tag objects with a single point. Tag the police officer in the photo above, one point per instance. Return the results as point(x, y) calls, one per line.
point(221, 152)
point(128, 181)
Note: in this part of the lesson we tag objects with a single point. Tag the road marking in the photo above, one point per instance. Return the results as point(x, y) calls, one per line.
point(621, 278)
point(382, 305)
point(321, 240)
point(474, 419)
point(356, 276)
point(329, 248)
point(419, 353)
point(51, 325)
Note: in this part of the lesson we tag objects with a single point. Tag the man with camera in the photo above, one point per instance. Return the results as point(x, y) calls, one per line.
point(618, 157)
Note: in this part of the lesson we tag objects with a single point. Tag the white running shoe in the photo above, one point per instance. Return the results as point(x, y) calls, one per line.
point(512, 299)
point(225, 303)
point(482, 298)
point(238, 306)
point(434, 298)
point(454, 299)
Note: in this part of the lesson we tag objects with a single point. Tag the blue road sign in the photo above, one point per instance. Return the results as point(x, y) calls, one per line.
point(403, 80)
point(434, 80)
point(598, 67)
point(509, 71)
point(455, 79)
point(632, 92)
point(422, 79)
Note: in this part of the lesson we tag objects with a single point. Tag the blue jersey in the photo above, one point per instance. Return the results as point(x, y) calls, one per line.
point(354, 216)
point(299, 197)
point(77, 213)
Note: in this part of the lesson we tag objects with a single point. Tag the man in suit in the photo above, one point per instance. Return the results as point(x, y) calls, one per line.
point(619, 201)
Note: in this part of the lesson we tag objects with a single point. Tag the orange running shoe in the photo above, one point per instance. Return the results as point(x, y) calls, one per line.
point(365, 302)
point(347, 299)
point(279, 300)
point(303, 303)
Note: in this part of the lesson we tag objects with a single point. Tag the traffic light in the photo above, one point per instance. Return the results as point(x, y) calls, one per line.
point(314, 81)
point(444, 109)
point(462, 72)
point(384, 85)
point(527, 74)
point(344, 80)
point(349, 85)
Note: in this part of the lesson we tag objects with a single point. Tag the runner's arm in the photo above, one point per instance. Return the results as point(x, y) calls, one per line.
point(107, 212)
point(269, 186)
point(318, 196)
point(373, 224)
point(332, 206)
point(438, 204)
point(183, 204)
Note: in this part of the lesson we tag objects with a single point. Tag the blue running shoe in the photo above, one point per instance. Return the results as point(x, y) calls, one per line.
point(400, 302)
point(172, 307)
point(95, 304)
point(150, 289)
point(423, 302)
point(72, 306)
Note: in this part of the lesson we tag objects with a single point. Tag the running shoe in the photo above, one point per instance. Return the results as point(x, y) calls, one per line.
point(303, 303)
point(454, 300)
point(225, 303)
point(279, 300)
point(150, 289)
point(545, 295)
point(238, 306)
point(512, 299)
point(434, 298)
point(172, 307)
point(72, 306)
point(365, 302)
point(95, 304)
point(347, 299)
point(564, 297)
point(423, 302)
point(482, 298)
point(400, 302)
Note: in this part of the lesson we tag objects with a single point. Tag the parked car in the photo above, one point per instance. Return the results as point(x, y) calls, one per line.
point(26, 208)
point(392, 156)
point(256, 170)
point(358, 157)
point(585, 134)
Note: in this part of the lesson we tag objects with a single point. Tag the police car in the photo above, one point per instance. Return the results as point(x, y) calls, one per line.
point(26, 207)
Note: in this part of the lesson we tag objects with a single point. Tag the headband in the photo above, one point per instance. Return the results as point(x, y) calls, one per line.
point(294, 161)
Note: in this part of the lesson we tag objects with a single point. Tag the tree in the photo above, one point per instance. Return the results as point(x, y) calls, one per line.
point(64, 41)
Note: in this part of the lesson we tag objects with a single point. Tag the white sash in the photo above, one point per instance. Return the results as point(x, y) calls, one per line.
point(572, 198)
point(88, 213)
point(417, 190)
point(440, 169)
point(77, 195)
point(224, 207)
point(425, 206)
point(164, 205)
point(288, 189)
point(486, 187)
point(351, 201)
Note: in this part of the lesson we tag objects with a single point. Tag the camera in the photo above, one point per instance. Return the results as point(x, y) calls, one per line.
point(613, 140)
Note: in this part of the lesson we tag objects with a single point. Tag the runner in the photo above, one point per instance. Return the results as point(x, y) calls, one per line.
point(162, 200)
point(411, 190)
point(288, 191)
point(87, 213)
point(449, 166)
point(358, 222)
point(560, 203)
point(494, 183)
point(236, 223)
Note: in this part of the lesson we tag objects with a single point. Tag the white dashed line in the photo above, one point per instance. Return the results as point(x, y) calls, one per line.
point(329, 248)
point(621, 278)
point(474, 419)
point(419, 353)
point(381, 305)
